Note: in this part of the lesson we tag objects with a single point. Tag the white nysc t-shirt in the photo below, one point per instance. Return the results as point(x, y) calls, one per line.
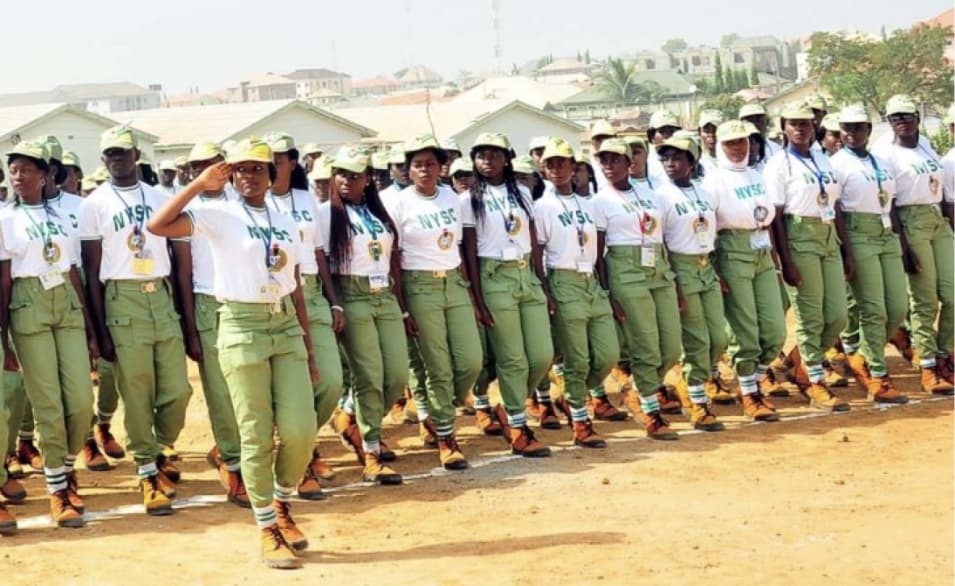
point(793, 183)
point(36, 243)
point(503, 232)
point(567, 231)
point(917, 172)
point(689, 219)
point(429, 229)
point(301, 206)
point(372, 244)
point(866, 185)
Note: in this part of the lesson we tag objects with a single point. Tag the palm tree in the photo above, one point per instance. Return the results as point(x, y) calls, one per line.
point(649, 92)
point(616, 79)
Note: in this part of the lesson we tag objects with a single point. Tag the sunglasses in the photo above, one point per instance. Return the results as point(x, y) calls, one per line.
point(896, 118)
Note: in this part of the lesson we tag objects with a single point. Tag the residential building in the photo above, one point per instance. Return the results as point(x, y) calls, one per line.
point(418, 76)
point(518, 87)
point(263, 88)
point(651, 89)
point(318, 82)
point(101, 98)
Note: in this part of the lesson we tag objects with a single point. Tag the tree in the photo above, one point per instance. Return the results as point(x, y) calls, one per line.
point(854, 69)
point(726, 41)
point(754, 75)
point(719, 85)
point(616, 79)
point(742, 82)
point(587, 57)
point(649, 92)
point(727, 104)
point(674, 45)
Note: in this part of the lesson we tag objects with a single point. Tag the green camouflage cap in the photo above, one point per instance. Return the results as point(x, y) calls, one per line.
point(32, 149)
point(816, 102)
point(280, 142)
point(662, 118)
point(797, 112)
point(167, 165)
point(379, 160)
point(831, 122)
point(449, 144)
point(752, 109)
point(491, 139)
point(53, 147)
point(204, 151)
point(732, 130)
point(321, 170)
point(461, 165)
point(558, 147)
point(602, 128)
point(349, 159)
point(252, 149)
point(854, 114)
point(615, 145)
point(420, 143)
point(714, 117)
point(311, 148)
point(523, 164)
point(537, 142)
point(684, 144)
point(396, 156)
point(901, 104)
point(117, 137)
point(70, 159)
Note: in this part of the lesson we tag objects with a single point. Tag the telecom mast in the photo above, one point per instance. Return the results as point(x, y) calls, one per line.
point(498, 49)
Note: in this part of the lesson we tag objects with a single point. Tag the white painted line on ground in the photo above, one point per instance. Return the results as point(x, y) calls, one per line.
point(204, 500)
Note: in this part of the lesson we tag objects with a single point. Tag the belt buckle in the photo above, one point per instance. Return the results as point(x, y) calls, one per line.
point(521, 263)
point(275, 308)
point(147, 287)
point(439, 274)
point(703, 261)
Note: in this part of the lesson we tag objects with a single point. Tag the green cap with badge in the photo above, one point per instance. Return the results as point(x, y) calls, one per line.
point(422, 142)
point(205, 151)
point(449, 144)
point(31, 149)
point(831, 122)
point(280, 142)
point(461, 165)
point(714, 117)
point(311, 148)
point(491, 139)
point(636, 141)
point(558, 147)
point(681, 143)
point(753, 109)
point(854, 114)
point(396, 156)
point(70, 159)
point(53, 147)
point(379, 160)
point(602, 128)
point(321, 170)
point(182, 162)
point(117, 137)
point(615, 145)
point(252, 149)
point(167, 165)
point(523, 164)
point(732, 130)
point(816, 102)
point(797, 112)
point(349, 158)
point(662, 118)
point(901, 104)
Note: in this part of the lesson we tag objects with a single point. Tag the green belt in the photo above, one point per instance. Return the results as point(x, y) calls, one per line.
point(565, 274)
point(137, 286)
point(493, 263)
point(311, 281)
point(283, 306)
point(690, 261)
point(357, 286)
point(922, 209)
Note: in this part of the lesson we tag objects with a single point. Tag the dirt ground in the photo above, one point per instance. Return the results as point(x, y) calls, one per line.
point(857, 498)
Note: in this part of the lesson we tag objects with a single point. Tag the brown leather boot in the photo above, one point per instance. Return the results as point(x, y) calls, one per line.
point(235, 487)
point(29, 455)
point(13, 491)
point(521, 439)
point(165, 465)
point(13, 466)
point(658, 428)
point(823, 399)
point(833, 378)
point(397, 412)
point(8, 523)
point(604, 410)
point(310, 488)
point(105, 439)
point(385, 454)
point(856, 365)
point(902, 341)
point(95, 460)
point(631, 401)
point(932, 382)
point(290, 531)
point(157, 503)
point(450, 454)
point(347, 427)
point(214, 458)
point(73, 492)
point(548, 416)
point(319, 467)
point(379, 473)
point(167, 486)
point(427, 433)
point(667, 405)
point(771, 387)
point(532, 407)
point(757, 408)
point(585, 436)
point(702, 418)
point(718, 392)
point(944, 367)
point(799, 376)
point(276, 551)
point(487, 423)
point(62, 512)
point(882, 390)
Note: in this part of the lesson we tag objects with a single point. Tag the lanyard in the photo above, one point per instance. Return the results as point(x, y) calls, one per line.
point(44, 231)
point(509, 216)
point(643, 219)
point(366, 219)
point(814, 169)
point(578, 226)
point(268, 241)
point(139, 238)
point(926, 151)
point(291, 196)
point(696, 197)
point(878, 173)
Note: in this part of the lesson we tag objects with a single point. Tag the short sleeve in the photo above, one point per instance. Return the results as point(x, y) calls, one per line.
point(775, 182)
point(542, 223)
point(90, 228)
point(948, 177)
point(323, 229)
point(467, 212)
point(600, 213)
point(205, 219)
point(4, 253)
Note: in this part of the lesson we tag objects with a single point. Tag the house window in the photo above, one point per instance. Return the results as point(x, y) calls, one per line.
point(696, 60)
point(738, 58)
point(651, 64)
point(706, 60)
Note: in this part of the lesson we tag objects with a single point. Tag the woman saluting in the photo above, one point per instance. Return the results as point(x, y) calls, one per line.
point(264, 346)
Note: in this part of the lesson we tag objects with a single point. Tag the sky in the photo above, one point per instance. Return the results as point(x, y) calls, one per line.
point(211, 44)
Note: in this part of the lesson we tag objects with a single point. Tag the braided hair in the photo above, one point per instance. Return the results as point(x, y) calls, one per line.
point(480, 186)
point(341, 231)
